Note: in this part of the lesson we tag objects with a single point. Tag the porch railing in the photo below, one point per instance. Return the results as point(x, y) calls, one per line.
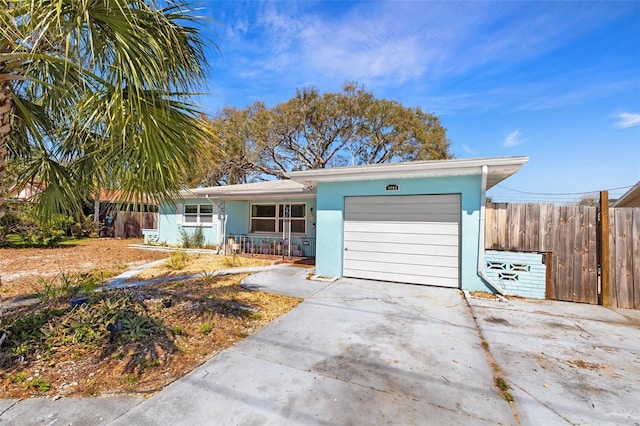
point(257, 244)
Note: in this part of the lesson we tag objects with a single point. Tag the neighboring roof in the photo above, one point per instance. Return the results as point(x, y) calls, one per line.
point(28, 192)
point(631, 198)
point(118, 196)
point(499, 168)
point(271, 189)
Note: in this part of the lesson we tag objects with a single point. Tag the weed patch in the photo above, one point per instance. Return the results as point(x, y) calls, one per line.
point(127, 340)
point(178, 260)
point(504, 388)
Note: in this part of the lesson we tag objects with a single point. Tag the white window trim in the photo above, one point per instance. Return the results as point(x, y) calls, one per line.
point(277, 219)
point(182, 216)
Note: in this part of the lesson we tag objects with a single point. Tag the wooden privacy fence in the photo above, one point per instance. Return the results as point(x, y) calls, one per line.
point(131, 224)
point(569, 235)
point(624, 249)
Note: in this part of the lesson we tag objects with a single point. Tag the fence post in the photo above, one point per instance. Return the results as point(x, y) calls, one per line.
point(603, 240)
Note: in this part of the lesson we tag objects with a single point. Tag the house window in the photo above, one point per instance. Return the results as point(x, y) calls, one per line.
point(198, 214)
point(277, 217)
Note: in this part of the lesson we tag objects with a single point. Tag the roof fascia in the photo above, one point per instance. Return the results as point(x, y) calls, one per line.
point(501, 167)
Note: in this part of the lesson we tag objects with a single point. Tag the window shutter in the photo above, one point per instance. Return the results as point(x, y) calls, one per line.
point(179, 214)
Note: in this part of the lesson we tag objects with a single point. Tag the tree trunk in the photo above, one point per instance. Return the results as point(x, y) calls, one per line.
point(5, 130)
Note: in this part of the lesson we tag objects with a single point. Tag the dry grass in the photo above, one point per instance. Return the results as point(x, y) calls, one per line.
point(204, 317)
point(201, 263)
point(22, 268)
point(483, 295)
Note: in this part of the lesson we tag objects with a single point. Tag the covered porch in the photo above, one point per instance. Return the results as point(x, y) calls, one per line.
point(291, 247)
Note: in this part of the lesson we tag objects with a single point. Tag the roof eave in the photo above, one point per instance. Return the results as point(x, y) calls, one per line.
point(628, 197)
point(499, 169)
point(253, 195)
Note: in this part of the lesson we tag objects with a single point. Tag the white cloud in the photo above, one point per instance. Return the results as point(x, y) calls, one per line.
point(513, 139)
point(466, 148)
point(452, 55)
point(628, 119)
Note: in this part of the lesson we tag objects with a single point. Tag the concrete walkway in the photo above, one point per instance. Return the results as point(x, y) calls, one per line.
point(353, 352)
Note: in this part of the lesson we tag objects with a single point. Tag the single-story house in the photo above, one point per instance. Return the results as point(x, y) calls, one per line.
point(631, 198)
point(415, 222)
point(25, 194)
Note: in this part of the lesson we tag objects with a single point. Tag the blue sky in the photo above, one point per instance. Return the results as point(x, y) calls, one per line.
point(556, 81)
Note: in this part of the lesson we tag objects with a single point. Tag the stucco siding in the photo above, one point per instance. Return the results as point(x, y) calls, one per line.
point(330, 247)
point(236, 214)
point(169, 224)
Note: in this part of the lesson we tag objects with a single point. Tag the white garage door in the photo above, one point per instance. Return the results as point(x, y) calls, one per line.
point(403, 238)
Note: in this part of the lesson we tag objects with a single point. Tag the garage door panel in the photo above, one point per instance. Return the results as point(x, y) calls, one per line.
point(399, 199)
point(418, 228)
point(403, 259)
point(401, 268)
point(404, 278)
point(445, 240)
point(415, 208)
point(401, 217)
point(407, 238)
point(419, 249)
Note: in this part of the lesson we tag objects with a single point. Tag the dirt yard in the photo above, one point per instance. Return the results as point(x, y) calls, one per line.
point(120, 341)
point(22, 268)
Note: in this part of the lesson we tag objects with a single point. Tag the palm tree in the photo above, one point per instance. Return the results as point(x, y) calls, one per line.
point(96, 93)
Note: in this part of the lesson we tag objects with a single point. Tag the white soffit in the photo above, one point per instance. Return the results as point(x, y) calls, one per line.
point(499, 168)
point(631, 198)
point(275, 189)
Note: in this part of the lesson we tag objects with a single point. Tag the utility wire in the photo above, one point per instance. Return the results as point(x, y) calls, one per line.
point(562, 193)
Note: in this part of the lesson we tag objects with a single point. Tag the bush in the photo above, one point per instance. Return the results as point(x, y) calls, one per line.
point(82, 327)
point(198, 237)
point(192, 240)
point(68, 285)
point(23, 221)
point(186, 239)
point(177, 260)
point(84, 227)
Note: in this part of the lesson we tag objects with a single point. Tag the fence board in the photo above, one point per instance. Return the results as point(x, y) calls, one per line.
point(579, 262)
point(613, 262)
point(635, 256)
point(532, 227)
point(591, 274)
point(625, 257)
point(567, 235)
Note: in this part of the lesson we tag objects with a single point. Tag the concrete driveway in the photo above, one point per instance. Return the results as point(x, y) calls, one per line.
point(354, 352)
point(567, 363)
point(364, 352)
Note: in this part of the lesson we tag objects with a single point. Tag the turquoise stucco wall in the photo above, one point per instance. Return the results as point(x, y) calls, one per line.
point(169, 229)
point(237, 216)
point(331, 212)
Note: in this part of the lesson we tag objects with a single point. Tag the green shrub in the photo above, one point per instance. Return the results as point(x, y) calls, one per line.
point(205, 328)
point(232, 261)
point(68, 285)
point(192, 240)
point(186, 239)
point(19, 377)
point(177, 260)
point(83, 327)
point(22, 221)
point(198, 237)
point(41, 384)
